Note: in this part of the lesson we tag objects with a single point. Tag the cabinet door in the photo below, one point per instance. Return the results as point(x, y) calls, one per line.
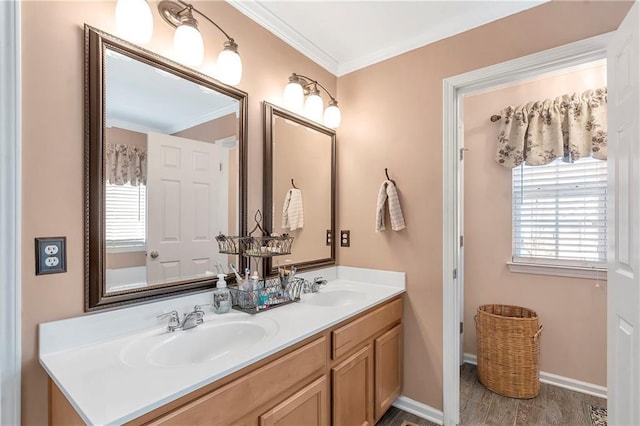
point(353, 389)
point(308, 407)
point(388, 369)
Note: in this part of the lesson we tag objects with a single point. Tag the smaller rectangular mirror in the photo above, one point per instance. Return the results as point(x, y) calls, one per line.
point(299, 198)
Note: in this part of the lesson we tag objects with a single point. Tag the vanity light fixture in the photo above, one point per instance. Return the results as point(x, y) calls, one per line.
point(134, 21)
point(294, 93)
point(188, 44)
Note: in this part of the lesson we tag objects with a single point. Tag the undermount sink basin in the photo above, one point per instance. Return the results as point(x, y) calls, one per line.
point(205, 343)
point(343, 297)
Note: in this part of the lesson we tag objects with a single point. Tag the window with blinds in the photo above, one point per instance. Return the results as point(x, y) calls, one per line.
point(125, 219)
point(560, 213)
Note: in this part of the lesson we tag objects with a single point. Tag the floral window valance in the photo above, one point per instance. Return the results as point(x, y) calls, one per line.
point(570, 126)
point(126, 164)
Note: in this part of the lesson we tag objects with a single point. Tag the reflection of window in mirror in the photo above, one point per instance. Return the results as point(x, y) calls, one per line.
point(125, 215)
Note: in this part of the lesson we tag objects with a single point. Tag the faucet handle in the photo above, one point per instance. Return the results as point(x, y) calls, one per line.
point(197, 310)
point(172, 314)
point(319, 280)
point(174, 320)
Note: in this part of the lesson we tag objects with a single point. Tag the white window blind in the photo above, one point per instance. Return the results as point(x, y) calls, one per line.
point(560, 213)
point(125, 215)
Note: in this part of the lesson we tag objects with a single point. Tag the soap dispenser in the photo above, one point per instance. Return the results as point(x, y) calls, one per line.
point(221, 296)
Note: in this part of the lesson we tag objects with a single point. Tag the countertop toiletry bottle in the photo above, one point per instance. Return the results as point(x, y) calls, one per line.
point(221, 296)
point(255, 280)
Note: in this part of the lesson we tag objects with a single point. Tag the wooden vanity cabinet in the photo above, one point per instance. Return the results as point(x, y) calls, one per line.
point(366, 382)
point(352, 386)
point(388, 369)
point(348, 374)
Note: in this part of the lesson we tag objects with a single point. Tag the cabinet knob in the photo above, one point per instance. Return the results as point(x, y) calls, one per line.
point(154, 254)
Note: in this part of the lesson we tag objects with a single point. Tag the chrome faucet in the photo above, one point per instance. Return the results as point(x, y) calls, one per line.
point(313, 287)
point(174, 320)
point(317, 282)
point(190, 320)
point(194, 318)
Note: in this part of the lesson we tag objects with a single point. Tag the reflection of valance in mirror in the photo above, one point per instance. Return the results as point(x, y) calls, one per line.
point(126, 164)
point(570, 126)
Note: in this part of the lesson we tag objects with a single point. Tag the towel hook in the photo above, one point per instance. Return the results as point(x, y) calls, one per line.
point(293, 184)
point(386, 172)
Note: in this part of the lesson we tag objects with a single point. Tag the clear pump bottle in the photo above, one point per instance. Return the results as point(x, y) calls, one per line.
point(221, 296)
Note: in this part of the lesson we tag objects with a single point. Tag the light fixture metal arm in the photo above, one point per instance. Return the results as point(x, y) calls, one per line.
point(190, 7)
point(309, 81)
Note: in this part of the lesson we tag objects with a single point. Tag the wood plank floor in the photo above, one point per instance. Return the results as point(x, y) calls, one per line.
point(480, 406)
point(554, 405)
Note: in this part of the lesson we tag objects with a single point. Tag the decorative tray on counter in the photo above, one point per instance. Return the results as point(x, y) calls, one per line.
point(255, 246)
point(229, 245)
point(267, 246)
point(250, 246)
point(271, 293)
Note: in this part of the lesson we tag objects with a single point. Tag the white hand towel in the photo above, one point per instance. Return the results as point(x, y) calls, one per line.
point(388, 191)
point(292, 211)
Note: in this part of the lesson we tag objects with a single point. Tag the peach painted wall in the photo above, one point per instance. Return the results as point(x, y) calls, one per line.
point(211, 131)
point(392, 117)
point(116, 135)
point(52, 144)
point(573, 311)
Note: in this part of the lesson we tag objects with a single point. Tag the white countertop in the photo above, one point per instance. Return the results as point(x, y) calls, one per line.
point(84, 355)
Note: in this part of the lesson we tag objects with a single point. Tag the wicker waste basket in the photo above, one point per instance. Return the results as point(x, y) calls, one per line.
point(509, 350)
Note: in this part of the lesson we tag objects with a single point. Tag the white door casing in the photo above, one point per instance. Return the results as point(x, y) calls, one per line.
point(454, 88)
point(183, 185)
point(10, 215)
point(623, 228)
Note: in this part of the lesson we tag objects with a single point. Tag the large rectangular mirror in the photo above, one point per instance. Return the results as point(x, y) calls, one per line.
point(300, 185)
point(164, 174)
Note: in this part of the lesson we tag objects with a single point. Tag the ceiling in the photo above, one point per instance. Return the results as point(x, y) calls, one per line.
point(343, 36)
point(145, 99)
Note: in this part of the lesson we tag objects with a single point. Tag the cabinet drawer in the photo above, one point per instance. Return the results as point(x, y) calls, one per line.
point(227, 404)
point(352, 335)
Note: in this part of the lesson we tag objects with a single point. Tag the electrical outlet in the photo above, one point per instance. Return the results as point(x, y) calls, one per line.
point(51, 249)
point(345, 238)
point(51, 255)
point(329, 240)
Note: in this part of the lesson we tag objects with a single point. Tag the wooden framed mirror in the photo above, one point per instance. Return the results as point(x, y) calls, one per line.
point(165, 172)
point(300, 155)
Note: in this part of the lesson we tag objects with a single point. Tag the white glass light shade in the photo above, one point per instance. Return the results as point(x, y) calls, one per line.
point(229, 67)
point(294, 96)
point(134, 21)
point(332, 116)
point(188, 45)
point(313, 107)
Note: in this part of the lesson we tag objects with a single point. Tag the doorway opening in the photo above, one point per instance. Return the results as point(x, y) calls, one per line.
point(548, 63)
point(535, 236)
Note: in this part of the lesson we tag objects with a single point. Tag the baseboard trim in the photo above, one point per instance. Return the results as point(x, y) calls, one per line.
point(556, 380)
point(419, 409)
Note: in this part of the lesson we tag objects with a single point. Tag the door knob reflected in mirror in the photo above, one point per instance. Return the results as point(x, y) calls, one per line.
point(154, 254)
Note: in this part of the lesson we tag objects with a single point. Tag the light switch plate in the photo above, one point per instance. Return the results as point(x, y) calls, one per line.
point(51, 255)
point(328, 237)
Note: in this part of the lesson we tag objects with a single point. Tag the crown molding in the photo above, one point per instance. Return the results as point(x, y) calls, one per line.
point(175, 128)
point(221, 112)
point(263, 17)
